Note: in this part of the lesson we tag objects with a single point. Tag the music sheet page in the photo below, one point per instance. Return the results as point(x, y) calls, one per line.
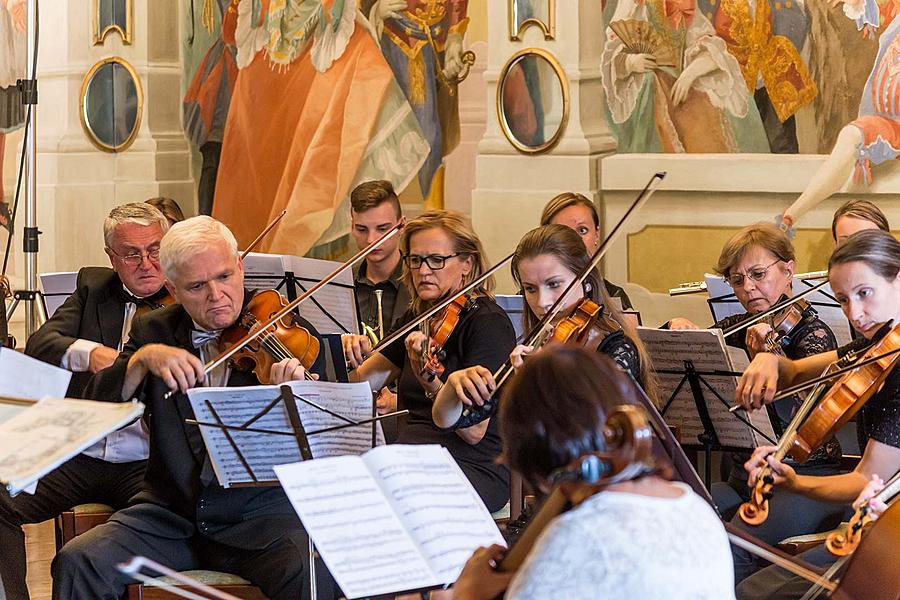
point(266, 271)
point(435, 501)
point(22, 376)
point(50, 432)
point(669, 349)
point(355, 529)
point(247, 406)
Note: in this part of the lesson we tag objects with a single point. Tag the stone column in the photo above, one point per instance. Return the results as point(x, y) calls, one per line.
point(77, 183)
point(511, 188)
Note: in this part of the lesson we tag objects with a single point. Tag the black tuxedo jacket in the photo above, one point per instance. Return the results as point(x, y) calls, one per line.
point(95, 312)
point(176, 477)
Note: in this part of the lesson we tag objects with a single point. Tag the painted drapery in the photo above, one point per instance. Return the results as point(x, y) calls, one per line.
point(315, 111)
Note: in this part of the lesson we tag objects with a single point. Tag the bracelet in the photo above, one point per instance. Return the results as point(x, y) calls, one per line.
point(433, 395)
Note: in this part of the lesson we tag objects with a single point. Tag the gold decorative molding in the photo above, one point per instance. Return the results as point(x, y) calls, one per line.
point(564, 90)
point(82, 108)
point(516, 27)
point(98, 35)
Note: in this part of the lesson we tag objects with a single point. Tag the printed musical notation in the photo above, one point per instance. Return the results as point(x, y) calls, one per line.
point(260, 408)
point(397, 518)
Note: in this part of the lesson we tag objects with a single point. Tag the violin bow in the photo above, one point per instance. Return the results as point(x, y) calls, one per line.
point(262, 234)
point(252, 335)
point(802, 387)
point(777, 307)
point(505, 369)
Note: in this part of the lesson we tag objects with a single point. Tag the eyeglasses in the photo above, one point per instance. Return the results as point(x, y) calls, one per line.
point(435, 262)
point(756, 274)
point(133, 260)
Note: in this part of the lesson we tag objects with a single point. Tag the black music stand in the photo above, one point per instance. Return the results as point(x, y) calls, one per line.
point(708, 439)
point(289, 400)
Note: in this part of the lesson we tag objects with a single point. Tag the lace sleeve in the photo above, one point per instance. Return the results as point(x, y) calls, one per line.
point(811, 337)
point(621, 349)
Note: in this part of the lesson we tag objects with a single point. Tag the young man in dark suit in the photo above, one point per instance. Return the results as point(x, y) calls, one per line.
point(183, 518)
point(85, 335)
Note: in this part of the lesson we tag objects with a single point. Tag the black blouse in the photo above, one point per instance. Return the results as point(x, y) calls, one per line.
point(810, 336)
point(880, 416)
point(484, 336)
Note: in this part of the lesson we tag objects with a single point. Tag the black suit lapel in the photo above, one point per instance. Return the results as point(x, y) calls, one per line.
point(111, 313)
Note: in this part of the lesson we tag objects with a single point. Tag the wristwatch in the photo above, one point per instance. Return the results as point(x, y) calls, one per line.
point(433, 395)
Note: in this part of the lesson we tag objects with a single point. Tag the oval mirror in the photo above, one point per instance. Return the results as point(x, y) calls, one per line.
point(111, 104)
point(533, 101)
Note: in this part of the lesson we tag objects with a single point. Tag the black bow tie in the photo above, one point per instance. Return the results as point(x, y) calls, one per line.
point(152, 300)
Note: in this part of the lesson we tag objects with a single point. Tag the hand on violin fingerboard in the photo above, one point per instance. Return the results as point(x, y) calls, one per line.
point(416, 350)
point(357, 349)
point(757, 338)
point(784, 475)
point(288, 369)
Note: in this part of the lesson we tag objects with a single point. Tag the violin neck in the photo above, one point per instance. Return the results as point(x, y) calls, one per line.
point(891, 489)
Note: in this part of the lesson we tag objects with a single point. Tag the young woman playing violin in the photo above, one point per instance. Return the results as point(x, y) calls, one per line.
point(641, 537)
point(864, 273)
point(545, 262)
point(442, 255)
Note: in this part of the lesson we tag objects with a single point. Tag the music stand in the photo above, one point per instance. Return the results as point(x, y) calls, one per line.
point(709, 438)
point(297, 431)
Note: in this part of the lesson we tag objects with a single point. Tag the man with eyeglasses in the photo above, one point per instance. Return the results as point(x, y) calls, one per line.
point(85, 335)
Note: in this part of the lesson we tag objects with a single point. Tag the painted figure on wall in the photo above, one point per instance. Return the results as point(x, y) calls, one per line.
point(766, 37)
point(12, 68)
point(874, 137)
point(315, 111)
point(687, 94)
point(422, 41)
point(208, 97)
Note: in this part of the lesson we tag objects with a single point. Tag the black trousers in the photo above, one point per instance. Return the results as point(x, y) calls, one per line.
point(789, 515)
point(275, 561)
point(81, 480)
point(775, 583)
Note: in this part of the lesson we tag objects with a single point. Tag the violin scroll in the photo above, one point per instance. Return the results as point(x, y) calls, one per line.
point(756, 510)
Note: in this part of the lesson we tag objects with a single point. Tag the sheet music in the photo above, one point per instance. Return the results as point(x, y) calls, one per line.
point(399, 518)
point(360, 538)
point(827, 307)
point(266, 271)
point(439, 507)
point(706, 349)
point(56, 289)
point(722, 301)
point(37, 440)
point(237, 406)
point(22, 376)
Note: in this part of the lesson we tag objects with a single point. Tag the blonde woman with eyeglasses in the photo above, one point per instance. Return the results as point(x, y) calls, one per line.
point(441, 255)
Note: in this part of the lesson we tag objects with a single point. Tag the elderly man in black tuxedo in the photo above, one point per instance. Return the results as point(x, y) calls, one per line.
point(183, 518)
point(85, 335)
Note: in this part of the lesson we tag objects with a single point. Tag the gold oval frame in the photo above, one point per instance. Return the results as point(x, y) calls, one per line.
point(548, 29)
point(564, 84)
point(140, 105)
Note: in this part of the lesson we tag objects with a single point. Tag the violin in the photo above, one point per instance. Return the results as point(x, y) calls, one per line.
point(281, 339)
point(586, 322)
point(438, 330)
point(817, 421)
point(161, 302)
point(843, 543)
point(779, 337)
